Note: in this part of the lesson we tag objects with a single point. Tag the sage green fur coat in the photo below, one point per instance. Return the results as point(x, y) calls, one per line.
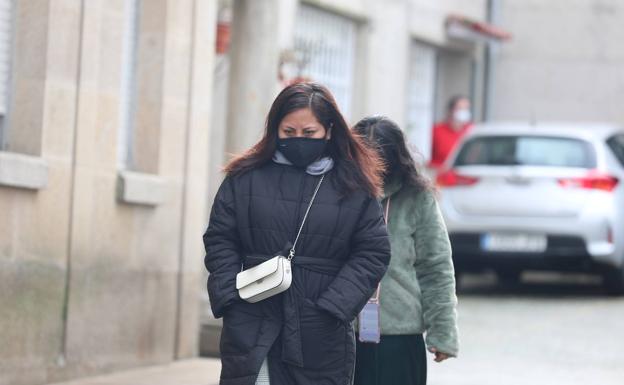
point(418, 290)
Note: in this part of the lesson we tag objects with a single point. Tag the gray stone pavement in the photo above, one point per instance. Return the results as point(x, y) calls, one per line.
point(201, 371)
point(550, 330)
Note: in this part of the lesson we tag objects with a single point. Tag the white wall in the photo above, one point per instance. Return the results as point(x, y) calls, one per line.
point(565, 62)
point(427, 17)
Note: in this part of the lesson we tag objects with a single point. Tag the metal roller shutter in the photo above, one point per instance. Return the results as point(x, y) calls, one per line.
point(325, 44)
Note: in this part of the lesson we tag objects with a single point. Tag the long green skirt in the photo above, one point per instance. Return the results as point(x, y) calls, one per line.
point(395, 360)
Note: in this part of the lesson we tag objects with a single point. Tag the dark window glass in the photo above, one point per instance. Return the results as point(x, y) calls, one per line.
point(616, 144)
point(527, 151)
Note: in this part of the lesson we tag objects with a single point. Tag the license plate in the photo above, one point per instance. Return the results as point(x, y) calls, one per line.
point(520, 243)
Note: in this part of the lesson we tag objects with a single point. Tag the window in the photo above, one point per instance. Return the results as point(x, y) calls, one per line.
point(128, 85)
point(527, 151)
point(143, 60)
point(325, 45)
point(616, 144)
point(6, 24)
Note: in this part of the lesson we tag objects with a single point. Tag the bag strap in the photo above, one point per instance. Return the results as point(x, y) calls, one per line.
point(291, 254)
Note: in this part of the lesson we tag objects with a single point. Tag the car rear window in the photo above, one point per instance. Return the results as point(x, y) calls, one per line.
point(616, 144)
point(527, 151)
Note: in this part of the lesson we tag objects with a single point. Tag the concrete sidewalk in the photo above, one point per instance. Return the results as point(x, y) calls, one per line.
point(200, 371)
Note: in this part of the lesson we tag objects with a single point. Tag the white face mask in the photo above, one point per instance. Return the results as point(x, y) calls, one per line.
point(462, 115)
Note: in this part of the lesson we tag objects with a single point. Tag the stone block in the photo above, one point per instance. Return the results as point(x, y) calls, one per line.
point(142, 189)
point(23, 171)
point(31, 299)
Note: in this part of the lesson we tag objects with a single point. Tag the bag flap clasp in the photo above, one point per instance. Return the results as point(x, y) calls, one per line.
point(256, 273)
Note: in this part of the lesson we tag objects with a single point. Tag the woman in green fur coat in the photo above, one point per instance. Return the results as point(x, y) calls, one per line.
point(417, 294)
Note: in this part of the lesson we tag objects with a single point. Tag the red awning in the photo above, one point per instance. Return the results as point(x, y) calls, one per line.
point(463, 28)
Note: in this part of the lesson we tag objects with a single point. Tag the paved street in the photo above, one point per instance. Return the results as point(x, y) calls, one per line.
point(186, 372)
point(550, 330)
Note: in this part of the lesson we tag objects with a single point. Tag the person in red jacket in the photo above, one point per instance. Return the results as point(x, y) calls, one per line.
point(447, 133)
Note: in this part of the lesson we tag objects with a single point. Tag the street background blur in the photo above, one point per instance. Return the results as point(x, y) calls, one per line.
point(117, 115)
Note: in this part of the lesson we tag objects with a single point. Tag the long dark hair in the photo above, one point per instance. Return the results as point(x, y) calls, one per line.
point(386, 137)
point(356, 165)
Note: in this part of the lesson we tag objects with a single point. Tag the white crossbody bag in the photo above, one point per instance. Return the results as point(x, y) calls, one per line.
point(273, 276)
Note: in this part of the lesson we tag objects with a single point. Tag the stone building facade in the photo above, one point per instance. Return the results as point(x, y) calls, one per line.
point(116, 117)
point(395, 57)
point(103, 179)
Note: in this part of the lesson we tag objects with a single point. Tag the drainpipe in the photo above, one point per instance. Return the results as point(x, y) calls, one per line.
point(61, 360)
point(491, 50)
point(182, 253)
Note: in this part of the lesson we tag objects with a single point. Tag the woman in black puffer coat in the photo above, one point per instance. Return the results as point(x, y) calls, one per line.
point(303, 335)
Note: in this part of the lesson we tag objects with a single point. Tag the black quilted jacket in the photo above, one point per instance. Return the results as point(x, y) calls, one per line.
point(342, 254)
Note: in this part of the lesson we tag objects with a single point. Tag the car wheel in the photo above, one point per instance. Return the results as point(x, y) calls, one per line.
point(614, 280)
point(509, 277)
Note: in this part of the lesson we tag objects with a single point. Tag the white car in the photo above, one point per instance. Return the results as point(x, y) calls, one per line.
point(519, 196)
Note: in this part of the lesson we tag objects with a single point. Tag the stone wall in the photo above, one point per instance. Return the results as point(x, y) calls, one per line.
point(100, 265)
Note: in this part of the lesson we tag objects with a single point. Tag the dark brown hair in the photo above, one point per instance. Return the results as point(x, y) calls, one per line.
point(386, 137)
point(450, 106)
point(356, 165)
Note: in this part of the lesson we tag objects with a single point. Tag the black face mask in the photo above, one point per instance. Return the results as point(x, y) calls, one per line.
point(302, 151)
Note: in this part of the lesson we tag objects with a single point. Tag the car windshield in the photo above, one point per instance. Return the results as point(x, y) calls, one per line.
point(616, 144)
point(527, 151)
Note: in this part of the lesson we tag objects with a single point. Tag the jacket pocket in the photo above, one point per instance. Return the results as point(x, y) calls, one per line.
point(241, 328)
point(322, 338)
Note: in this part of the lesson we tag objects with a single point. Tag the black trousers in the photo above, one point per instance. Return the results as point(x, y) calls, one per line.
point(395, 360)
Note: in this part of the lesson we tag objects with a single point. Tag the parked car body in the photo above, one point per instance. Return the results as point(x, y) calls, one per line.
point(518, 197)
